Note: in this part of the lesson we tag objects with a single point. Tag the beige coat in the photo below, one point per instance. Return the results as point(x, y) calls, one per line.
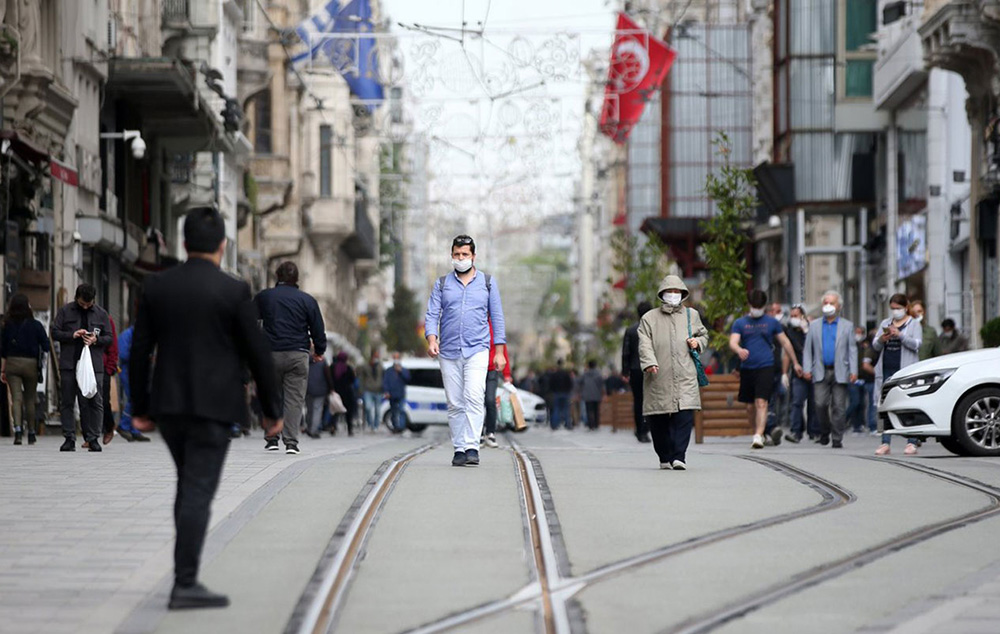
point(663, 335)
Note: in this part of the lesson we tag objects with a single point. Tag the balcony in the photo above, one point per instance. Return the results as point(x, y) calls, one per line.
point(330, 221)
point(274, 181)
point(176, 13)
point(962, 36)
point(900, 69)
point(363, 242)
point(252, 66)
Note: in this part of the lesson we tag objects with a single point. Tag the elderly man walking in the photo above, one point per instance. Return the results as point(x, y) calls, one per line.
point(670, 388)
point(291, 320)
point(461, 307)
point(830, 359)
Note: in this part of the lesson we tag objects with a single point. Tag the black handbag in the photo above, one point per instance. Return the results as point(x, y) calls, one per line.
point(699, 368)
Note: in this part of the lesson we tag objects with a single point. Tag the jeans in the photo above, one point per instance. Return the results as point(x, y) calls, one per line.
point(492, 381)
point(91, 409)
point(560, 410)
point(856, 407)
point(198, 447)
point(872, 407)
point(465, 389)
point(372, 400)
point(671, 434)
point(778, 405)
point(803, 411)
point(396, 414)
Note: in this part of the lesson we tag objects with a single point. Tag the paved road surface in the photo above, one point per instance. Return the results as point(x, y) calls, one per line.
point(554, 532)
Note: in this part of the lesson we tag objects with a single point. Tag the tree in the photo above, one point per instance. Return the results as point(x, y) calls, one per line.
point(642, 267)
point(402, 323)
point(733, 191)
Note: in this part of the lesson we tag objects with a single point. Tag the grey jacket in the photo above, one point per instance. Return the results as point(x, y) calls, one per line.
point(591, 386)
point(663, 338)
point(912, 334)
point(845, 356)
point(71, 318)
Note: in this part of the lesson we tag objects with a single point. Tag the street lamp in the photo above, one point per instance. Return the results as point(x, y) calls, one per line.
point(138, 145)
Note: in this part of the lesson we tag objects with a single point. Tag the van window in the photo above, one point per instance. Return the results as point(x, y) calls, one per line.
point(430, 377)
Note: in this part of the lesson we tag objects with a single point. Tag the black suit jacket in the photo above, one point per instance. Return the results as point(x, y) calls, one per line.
point(202, 325)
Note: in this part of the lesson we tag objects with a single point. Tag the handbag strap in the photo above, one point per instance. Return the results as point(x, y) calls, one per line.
point(687, 311)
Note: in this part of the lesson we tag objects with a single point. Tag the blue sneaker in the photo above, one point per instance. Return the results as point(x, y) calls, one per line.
point(460, 459)
point(472, 457)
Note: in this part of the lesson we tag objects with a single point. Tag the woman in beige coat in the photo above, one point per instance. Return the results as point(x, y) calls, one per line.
point(670, 384)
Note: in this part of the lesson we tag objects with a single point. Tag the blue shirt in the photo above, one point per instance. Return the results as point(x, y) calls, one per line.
point(757, 336)
point(459, 316)
point(830, 341)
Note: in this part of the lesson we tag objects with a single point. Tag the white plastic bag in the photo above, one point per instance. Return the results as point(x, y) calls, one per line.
point(337, 404)
point(86, 382)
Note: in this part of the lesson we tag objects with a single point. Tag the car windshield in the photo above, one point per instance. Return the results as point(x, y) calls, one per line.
point(426, 378)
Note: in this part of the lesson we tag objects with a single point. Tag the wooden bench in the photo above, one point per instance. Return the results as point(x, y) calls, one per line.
point(721, 413)
point(616, 412)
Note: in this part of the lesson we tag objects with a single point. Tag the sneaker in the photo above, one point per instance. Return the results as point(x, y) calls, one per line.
point(874, 433)
point(459, 459)
point(883, 450)
point(471, 457)
point(292, 448)
point(491, 441)
point(138, 437)
point(95, 446)
point(17, 438)
point(794, 438)
point(679, 465)
point(68, 445)
point(758, 442)
point(126, 434)
point(837, 444)
point(666, 465)
point(194, 597)
point(910, 450)
point(776, 435)
point(271, 444)
point(31, 438)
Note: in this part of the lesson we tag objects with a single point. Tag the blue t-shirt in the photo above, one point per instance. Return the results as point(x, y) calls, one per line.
point(757, 336)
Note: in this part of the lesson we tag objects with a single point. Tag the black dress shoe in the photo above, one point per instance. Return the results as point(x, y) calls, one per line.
point(68, 445)
point(196, 596)
point(824, 440)
point(837, 444)
point(31, 438)
point(95, 446)
point(17, 438)
point(643, 438)
point(138, 437)
point(459, 459)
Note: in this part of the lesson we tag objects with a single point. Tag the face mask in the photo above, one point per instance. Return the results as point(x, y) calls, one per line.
point(898, 313)
point(779, 316)
point(795, 322)
point(948, 333)
point(756, 313)
point(829, 310)
point(919, 318)
point(462, 265)
point(859, 338)
point(671, 299)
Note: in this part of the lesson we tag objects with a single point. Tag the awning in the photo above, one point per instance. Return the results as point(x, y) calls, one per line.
point(24, 148)
point(162, 93)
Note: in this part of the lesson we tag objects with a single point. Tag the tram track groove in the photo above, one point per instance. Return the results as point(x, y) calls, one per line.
point(317, 609)
point(816, 575)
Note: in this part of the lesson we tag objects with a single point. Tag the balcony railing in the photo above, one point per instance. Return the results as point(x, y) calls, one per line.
point(176, 11)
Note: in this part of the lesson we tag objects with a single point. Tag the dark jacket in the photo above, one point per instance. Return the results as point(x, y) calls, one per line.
point(25, 339)
point(630, 350)
point(592, 386)
point(394, 382)
point(202, 324)
point(71, 318)
point(561, 381)
point(291, 318)
point(320, 382)
point(370, 375)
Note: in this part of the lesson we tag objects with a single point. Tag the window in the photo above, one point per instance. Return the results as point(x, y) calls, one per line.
point(325, 161)
point(426, 378)
point(262, 123)
point(857, 50)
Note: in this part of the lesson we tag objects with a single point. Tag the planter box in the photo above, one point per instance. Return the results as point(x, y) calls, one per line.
point(721, 414)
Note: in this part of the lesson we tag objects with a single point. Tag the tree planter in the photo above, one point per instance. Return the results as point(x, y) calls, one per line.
point(721, 413)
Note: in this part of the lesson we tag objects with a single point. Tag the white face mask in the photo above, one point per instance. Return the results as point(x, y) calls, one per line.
point(795, 322)
point(779, 316)
point(829, 310)
point(919, 318)
point(671, 299)
point(462, 265)
point(756, 312)
point(898, 313)
point(859, 338)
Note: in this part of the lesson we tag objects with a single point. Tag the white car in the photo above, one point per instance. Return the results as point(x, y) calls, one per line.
point(954, 398)
point(425, 401)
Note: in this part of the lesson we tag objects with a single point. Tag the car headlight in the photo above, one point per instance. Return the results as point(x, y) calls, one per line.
point(926, 383)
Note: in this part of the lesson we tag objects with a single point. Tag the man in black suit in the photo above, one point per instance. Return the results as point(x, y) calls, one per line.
point(202, 326)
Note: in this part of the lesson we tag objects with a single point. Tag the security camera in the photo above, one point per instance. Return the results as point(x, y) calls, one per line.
point(774, 221)
point(138, 147)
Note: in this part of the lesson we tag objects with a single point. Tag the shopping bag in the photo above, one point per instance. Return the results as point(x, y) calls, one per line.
point(506, 409)
point(86, 381)
point(517, 410)
point(337, 404)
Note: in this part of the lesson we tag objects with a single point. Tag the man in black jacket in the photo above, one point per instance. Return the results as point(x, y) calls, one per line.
point(202, 326)
point(79, 324)
point(632, 370)
point(291, 320)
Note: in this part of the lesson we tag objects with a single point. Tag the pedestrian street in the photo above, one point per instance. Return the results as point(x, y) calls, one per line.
point(567, 531)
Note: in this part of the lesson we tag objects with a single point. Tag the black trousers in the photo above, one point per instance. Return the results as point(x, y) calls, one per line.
point(635, 383)
point(671, 434)
point(593, 414)
point(198, 447)
point(492, 382)
point(91, 409)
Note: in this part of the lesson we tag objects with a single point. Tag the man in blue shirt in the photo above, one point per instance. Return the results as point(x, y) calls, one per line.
point(830, 356)
point(752, 339)
point(459, 311)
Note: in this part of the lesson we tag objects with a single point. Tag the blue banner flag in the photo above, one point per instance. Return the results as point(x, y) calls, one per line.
point(356, 56)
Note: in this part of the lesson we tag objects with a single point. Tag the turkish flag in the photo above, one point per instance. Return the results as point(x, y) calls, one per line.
point(639, 62)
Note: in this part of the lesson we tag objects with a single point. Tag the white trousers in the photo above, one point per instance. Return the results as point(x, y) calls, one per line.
point(465, 389)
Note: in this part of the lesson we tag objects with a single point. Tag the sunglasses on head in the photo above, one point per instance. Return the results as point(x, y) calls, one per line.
point(462, 241)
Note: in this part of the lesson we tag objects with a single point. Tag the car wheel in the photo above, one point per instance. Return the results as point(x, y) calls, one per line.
point(416, 428)
point(953, 446)
point(975, 425)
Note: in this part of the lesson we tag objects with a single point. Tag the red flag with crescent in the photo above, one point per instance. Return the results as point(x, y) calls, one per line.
point(639, 63)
